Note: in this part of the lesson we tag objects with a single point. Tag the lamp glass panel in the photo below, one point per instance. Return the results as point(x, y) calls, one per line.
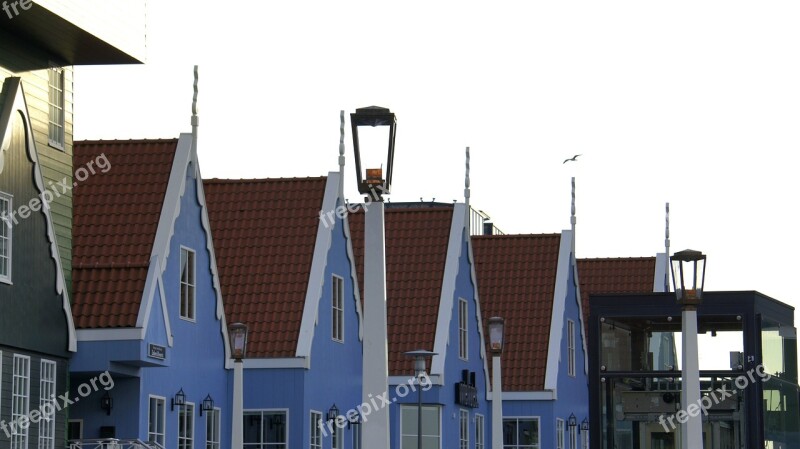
point(373, 144)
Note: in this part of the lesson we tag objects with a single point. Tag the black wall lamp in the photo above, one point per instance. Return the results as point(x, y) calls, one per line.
point(107, 403)
point(208, 405)
point(353, 419)
point(585, 425)
point(572, 420)
point(179, 400)
point(333, 413)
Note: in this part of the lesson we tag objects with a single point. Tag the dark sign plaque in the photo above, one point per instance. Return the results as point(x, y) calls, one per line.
point(466, 395)
point(157, 351)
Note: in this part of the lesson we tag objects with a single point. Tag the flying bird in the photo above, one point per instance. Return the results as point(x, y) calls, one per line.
point(573, 158)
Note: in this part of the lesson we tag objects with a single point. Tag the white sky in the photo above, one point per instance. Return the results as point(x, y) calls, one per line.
point(695, 103)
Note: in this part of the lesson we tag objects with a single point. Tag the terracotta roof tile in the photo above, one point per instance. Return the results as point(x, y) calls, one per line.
point(116, 215)
point(264, 235)
point(416, 250)
point(516, 280)
point(614, 275)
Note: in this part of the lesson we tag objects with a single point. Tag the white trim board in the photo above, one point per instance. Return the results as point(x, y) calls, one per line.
point(545, 395)
point(557, 316)
point(448, 290)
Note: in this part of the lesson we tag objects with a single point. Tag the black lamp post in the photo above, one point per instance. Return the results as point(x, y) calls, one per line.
point(688, 278)
point(372, 181)
point(496, 342)
point(419, 357)
point(237, 332)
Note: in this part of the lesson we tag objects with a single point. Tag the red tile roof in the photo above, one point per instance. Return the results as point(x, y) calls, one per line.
point(416, 250)
point(264, 233)
point(614, 275)
point(115, 220)
point(516, 281)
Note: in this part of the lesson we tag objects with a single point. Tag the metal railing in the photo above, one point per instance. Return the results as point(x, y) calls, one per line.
point(114, 443)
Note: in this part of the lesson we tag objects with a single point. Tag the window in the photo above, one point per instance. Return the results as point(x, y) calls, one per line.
point(521, 433)
point(20, 397)
point(56, 114)
point(75, 429)
point(462, 328)
point(156, 418)
point(463, 420)
point(315, 442)
point(559, 433)
point(571, 348)
point(212, 428)
point(5, 237)
point(47, 394)
point(186, 426)
point(337, 301)
point(573, 437)
point(265, 429)
point(357, 437)
point(585, 439)
point(479, 432)
point(431, 427)
point(187, 284)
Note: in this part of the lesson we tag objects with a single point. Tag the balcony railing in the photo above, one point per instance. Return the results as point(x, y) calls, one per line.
point(113, 443)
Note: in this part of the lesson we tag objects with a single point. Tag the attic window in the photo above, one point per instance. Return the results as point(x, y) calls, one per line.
point(187, 284)
point(463, 344)
point(337, 309)
point(5, 237)
point(56, 102)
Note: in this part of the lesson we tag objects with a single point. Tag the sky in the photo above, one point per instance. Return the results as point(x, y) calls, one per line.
point(692, 103)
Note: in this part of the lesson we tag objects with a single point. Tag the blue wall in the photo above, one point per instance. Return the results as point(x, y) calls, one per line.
point(445, 395)
point(334, 376)
point(195, 362)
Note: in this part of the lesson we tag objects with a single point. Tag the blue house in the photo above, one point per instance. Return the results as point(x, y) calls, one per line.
point(147, 301)
point(531, 281)
point(432, 304)
point(287, 271)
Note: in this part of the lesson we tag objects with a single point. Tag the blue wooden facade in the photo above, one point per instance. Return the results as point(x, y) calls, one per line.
point(177, 345)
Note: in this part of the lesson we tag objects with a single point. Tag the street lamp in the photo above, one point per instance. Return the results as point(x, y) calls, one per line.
point(237, 332)
point(374, 184)
point(496, 342)
point(688, 277)
point(420, 372)
point(372, 178)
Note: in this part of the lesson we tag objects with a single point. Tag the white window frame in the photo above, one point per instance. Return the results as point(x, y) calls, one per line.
point(154, 435)
point(517, 419)
point(585, 439)
point(190, 295)
point(7, 235)
point(337, 308)
point(262, 412)
point(356, 435)
point(415, 409)
point(337, 437)
point(214, 429)
point(560, 433)
point(315, 433)
point(463, 331)
point(56, 100)
point(480, 431)
point(573, 437)
point(463, 426)
point(47, 393)
point(20, 399)
point(187, 440)
point(571, 348)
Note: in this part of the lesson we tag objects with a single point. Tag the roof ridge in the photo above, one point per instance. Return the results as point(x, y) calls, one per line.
point(259, 180)
point(123, 141)
point(508, 236)
point(600, 259)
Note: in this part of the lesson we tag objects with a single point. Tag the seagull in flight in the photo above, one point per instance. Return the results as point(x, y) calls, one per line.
point(573, 159)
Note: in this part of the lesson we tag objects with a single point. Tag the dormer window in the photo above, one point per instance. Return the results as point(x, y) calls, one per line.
point(187, 284)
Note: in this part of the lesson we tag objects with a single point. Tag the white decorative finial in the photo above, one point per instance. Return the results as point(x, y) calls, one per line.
point(572, 219)
point(666, 233)
point(194, 98)
point(341, 153)
point(466, 179)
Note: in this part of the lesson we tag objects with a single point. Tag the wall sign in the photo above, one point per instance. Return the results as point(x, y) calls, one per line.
point(157, 351)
